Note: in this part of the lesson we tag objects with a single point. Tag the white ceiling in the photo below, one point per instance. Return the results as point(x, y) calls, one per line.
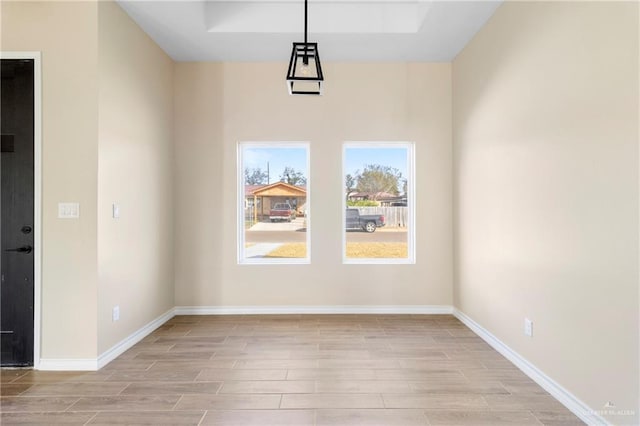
point(346, 30)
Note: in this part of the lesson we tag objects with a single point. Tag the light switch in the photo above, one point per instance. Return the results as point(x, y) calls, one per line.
point(68, 210)
point(115, 209)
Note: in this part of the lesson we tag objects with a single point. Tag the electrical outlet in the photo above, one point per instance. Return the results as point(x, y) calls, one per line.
point(115, 314)
point(528, 327)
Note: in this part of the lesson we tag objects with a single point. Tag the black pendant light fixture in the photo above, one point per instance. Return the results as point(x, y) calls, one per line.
point(304, 76)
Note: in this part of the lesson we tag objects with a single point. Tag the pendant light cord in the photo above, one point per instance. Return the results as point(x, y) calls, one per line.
point(305, 58)
point(305, 21)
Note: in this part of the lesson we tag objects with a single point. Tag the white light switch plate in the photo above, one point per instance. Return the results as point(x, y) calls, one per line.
point(115, 210)
point(68, 210)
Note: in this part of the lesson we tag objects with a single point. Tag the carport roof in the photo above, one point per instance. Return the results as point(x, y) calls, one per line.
point(249, 189)
point(275, 189)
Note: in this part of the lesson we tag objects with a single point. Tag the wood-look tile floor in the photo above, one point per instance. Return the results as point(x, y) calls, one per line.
point(291, 370)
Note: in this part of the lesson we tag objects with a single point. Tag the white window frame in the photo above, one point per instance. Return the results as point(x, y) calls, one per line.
point(411, 203)
point(242, 260)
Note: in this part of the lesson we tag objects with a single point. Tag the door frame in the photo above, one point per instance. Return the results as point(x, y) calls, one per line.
point(37, 193)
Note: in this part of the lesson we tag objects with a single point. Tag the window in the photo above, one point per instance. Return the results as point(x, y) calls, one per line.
point(378, 202)
point(273, 203)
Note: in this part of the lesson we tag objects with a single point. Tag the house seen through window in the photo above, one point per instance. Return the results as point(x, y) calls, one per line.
point(274, 210)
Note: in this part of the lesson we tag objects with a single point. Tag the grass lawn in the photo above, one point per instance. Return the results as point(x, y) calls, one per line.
point(354, 250)
point(377, 250)
point(289, 250)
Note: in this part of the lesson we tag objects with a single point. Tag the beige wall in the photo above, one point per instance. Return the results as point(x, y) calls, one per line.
point(546, 192)
point(198, 127)
point(107, 117)
point(219, 105)
point(69, 165)
point(135, 252)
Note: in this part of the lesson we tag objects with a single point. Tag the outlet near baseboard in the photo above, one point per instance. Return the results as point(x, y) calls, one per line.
point(528, 327)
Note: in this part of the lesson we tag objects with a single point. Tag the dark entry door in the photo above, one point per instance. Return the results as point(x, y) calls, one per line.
point(16, 286)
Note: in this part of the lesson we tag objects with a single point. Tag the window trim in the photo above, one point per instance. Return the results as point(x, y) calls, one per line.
point(411, 203)
point(240, 194)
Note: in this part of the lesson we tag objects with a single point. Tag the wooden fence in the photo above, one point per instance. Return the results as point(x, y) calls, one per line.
point(395, 217)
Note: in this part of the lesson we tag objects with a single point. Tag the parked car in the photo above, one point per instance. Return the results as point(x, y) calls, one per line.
point(282, 211)
point(368, 223)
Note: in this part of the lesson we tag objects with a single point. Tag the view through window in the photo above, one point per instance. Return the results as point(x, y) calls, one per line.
point(274, 203)
point(378, 202)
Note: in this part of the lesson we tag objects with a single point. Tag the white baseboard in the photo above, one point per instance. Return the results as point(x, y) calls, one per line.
point(93, 364)
point(566, 398)
point(314, 309)
point(122, 346)
point(61, 364)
